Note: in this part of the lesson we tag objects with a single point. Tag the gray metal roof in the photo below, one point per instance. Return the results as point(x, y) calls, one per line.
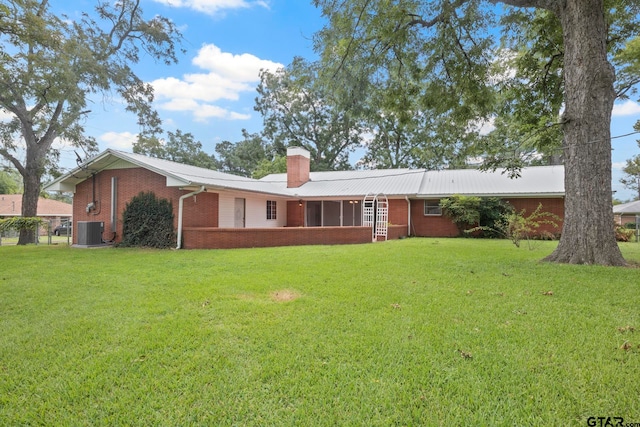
point(628, 208)
point(534, 181)
point(391, 182)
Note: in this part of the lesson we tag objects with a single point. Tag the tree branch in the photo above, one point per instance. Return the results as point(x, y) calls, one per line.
point(554, 6)
point(5, 153)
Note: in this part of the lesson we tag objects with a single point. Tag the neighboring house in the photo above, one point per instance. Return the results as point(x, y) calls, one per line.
point(52, 211)
point(217, 210)
point(626, 212)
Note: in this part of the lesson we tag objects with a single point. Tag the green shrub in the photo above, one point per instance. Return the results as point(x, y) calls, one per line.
point(516, 227)
point(148, 222)
point(480, 213)
point(464, 211)
point(624, 234)
point(20, 223)
point(492, 211)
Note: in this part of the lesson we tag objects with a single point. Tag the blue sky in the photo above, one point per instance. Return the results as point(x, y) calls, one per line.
point(211, 92)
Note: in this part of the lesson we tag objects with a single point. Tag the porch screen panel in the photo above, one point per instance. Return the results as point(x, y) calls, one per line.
point(331, 213)
point(314, 214)
point(351, 213)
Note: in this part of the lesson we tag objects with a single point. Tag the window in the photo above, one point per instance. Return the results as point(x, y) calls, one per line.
point(271, 209)
point(432, 207)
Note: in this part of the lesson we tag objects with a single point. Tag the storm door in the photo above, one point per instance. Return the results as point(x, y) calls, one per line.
point(238, 213)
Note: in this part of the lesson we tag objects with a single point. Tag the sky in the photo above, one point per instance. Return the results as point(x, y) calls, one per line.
point(210, 93)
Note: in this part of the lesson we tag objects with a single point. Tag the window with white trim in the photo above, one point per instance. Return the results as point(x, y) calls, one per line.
point(432, 207)
point(272, 209)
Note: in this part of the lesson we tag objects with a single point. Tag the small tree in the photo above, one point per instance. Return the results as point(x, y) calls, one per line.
point(148, 222)
point(483, 214)
point(631, 180)
point(464, 211)
point(516, 226)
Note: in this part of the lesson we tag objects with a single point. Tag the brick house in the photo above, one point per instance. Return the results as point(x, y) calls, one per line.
point(627, 212)
point(218, 210)
point(52, 211)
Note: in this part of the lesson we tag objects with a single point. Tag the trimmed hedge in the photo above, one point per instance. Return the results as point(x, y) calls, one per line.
point(148, 222)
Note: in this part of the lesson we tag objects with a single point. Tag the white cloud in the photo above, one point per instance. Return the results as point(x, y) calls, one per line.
point(618, 165)
point(241, 68)
point(212, 7)
point(627, 108)
point(5, 116)
point(118, 140)
point(482, 126)
point(227, 77)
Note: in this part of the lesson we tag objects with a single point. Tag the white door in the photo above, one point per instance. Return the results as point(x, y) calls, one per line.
point(238, 213)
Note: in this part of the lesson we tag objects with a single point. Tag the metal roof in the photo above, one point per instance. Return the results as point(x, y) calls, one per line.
point(391, 182)
point(538, 181)
point(535, 181)
point(628, 208)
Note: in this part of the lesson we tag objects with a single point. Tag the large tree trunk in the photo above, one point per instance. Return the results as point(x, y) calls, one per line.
point(588, 235)
point(30, 198)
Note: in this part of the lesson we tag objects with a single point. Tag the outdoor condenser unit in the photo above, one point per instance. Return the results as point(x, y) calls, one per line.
point(90, 232)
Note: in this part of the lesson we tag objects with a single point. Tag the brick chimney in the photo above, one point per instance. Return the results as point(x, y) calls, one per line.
point(298, 166)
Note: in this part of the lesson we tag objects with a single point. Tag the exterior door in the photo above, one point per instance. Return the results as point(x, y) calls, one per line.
point(238, 213)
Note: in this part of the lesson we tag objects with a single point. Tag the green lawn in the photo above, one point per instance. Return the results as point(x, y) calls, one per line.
point(409, 332)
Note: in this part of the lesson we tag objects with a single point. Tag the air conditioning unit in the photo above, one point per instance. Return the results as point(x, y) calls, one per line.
point(90, 233)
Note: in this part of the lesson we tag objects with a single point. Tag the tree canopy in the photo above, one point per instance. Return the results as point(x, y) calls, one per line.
point(298, 112)
point(179, 147)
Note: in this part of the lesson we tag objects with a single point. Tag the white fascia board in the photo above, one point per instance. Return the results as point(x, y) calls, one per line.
point(500, 195)
point(61, 186)
point(176, 182)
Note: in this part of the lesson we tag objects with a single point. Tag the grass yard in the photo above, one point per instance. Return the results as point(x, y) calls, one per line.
point(409, 332)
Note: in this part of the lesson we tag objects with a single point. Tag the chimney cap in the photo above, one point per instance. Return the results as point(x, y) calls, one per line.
point(298, 151)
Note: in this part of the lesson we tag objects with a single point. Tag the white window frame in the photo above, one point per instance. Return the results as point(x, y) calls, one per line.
point(272, 210)
point(431, 209)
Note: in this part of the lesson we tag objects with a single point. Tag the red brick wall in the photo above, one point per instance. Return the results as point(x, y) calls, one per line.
point(551, 205)
point(430, 226)
point(441, 226)
point(398, 209)
point(625, 218)
point(200, 211)
point(228, 238)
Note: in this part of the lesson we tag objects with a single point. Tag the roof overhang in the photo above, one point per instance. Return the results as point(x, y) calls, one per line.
point(68, 182)
point(500, 195)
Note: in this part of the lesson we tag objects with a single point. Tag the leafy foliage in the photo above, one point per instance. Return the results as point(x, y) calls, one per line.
point(464, 211)
point(298, 111)
point(10, 182)
point(179, 147)
point(481, 213)
point(266, 167)
point(18, 223)
point(517, 227)
point(148, 222)
point(243, 157)
point(631, 180)
point(625, 233)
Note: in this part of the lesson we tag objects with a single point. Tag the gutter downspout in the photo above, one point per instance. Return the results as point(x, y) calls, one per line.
point(180, 209)
point(408, 216)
